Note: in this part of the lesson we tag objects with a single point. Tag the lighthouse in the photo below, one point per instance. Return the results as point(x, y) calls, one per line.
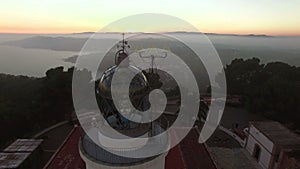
point(103, 150)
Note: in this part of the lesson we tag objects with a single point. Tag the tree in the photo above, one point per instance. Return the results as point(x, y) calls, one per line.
point(271, 90)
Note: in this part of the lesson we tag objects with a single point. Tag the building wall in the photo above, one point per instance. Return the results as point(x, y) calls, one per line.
point(257, 138)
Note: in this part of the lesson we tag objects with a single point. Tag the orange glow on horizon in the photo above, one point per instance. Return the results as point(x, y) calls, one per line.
point(69, 30)
point(275, 18)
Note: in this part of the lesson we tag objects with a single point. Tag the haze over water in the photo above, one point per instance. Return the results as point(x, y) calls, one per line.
point(18, 60)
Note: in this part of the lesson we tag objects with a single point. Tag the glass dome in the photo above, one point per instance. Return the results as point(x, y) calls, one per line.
point(138, 94)
point(139, 83)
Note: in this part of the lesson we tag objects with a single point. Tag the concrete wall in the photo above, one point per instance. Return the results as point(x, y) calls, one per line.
point(256, 137)
point(233, 135)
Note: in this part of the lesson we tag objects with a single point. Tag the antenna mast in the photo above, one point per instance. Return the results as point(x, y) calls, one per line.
point(121, 53)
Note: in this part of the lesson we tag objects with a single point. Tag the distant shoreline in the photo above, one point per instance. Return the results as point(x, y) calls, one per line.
point(206, 33)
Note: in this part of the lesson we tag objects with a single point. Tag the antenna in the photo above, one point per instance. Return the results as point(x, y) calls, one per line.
point(123, 44)
point(121, 54)
point(153, 77)
point(152, 56)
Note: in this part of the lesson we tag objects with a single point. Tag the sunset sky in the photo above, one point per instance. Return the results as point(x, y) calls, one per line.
point(272, 17)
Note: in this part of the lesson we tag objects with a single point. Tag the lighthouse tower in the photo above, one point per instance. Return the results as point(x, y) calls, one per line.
point(100, 150)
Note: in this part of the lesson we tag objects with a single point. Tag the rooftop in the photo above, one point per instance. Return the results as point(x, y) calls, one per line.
point(234, 158)
point(12, 160)
point(67, 156)
point(277, 133)
point(189, 154)
point(23, 145)
point(16, 153)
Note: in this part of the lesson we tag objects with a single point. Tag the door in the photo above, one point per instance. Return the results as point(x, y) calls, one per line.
point(256, 152)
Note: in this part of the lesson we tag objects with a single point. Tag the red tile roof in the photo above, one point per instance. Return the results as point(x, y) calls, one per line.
point(67, 157)
point(189, 154)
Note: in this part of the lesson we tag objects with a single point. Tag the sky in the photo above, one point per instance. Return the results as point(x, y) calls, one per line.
point(271, 17)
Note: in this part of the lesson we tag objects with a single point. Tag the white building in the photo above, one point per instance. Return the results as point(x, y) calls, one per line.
point(267, 139)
